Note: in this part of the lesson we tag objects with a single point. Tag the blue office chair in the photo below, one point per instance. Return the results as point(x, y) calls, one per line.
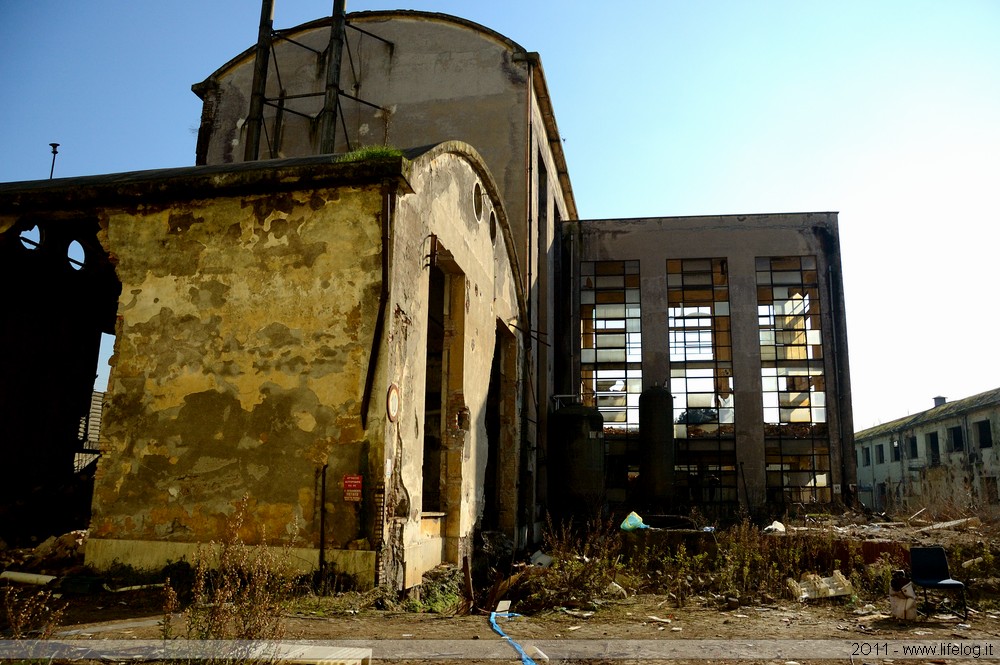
point(929, 569)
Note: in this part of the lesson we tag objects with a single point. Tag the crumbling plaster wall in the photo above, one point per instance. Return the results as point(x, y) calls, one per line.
point(448, 213)
point(244, 329)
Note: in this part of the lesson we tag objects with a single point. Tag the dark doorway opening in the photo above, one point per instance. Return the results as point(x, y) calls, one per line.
point(60, 298)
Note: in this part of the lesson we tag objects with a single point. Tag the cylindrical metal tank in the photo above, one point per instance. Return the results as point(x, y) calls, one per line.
point(576, 463)
point(656, 440)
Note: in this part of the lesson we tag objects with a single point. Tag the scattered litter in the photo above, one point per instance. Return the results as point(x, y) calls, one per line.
point(902, 597)
point(407, 635)
point(615, 589)
point(708, 529)
point(573, 628)
point(503, 606)
point(26, 578)
point(676, 629)
point(972, 562)
point(633, 522)
point(540, 559)
point(742, 616)
point(814, 586)
point(775, 527)
point(578, 613)
point(967, 522)
point(656, 618)
point(867, 609)
point(538, 653)
point(964, 626)
point(791, 662)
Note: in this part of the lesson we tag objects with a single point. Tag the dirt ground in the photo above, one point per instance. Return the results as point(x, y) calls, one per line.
point(630, 629)
point(634, 629)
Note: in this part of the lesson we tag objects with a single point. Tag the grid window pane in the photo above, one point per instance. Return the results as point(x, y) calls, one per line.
point(611, 341)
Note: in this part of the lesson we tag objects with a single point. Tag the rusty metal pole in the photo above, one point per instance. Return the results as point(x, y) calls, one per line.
point(334, 53)
point(255, 118)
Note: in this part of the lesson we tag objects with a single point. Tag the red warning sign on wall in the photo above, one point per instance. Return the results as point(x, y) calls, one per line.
point(352, 488)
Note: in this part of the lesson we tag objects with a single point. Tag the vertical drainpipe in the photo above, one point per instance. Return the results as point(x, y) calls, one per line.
point(255, 116)
point(388, 191)
point(531, 497)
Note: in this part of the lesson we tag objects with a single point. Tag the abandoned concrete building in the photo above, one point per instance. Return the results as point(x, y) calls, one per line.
point(942, 457)
point(383, 356)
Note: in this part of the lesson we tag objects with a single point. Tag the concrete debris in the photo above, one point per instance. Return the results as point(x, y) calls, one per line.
point(968, 523)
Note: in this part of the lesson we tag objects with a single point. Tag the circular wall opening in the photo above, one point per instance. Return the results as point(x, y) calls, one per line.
point(477, 201)
point(31, 238)
point(76, 255)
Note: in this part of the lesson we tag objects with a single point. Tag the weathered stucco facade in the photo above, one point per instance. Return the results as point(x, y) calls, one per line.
point(941, 458)
point(416, 78)
point(264, 314)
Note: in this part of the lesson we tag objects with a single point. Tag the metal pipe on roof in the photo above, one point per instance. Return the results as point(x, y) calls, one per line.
point(255, 116)
point(334, 53)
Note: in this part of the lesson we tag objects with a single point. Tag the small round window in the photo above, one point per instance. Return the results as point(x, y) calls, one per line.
point(31, 238)
point(477, 201)
point(76, 255)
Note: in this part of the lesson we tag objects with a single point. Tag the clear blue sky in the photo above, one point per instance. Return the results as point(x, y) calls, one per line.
point(886, 111)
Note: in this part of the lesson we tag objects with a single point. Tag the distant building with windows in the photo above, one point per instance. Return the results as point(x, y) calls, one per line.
point(941, 456)
point(740, 318)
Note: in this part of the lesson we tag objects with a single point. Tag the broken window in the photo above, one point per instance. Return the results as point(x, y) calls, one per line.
point(701, 378)
point(866, 455)
point(911, 443)
point(933, 448)
point(611, 342)
point(879, 454)
point(896, 451)
point(956, 438)
point(984, 433)
point(793, 380)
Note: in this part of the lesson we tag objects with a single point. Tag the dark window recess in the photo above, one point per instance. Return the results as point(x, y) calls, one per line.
point(933, 448)
point(867, 453)
point(896, 451)
point(956, 439)
point(879, 454)
point(911, 442)
point(984, 433)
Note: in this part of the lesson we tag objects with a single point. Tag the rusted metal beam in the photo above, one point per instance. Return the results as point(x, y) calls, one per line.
point(255, 117)
point(334, 53)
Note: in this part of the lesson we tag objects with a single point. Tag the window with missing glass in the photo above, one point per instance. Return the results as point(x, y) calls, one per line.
point(793, 380)
point(984, 433)
point(611, 342)
point(956, 438)
point(701, 379)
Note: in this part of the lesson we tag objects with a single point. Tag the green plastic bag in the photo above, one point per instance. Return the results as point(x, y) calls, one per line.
point(633, 522)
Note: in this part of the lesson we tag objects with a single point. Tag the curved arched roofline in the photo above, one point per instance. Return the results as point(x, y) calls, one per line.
point(462, 149)
point(371, 15)
point(538, 82)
